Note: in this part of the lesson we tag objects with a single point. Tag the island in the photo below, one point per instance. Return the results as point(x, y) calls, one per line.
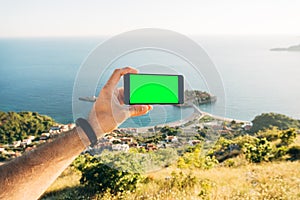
point(196, 97)
point(291, 48)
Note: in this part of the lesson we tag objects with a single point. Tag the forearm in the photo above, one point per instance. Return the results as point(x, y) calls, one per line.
point(28, 176)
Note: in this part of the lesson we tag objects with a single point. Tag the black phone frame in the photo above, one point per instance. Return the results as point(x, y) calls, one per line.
point(127, 89)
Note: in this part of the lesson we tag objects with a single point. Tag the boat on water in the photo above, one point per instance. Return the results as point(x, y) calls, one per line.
point(89, 99)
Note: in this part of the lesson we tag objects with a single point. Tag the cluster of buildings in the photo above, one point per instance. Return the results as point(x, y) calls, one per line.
point(18, 147)
point(222, 129)
point(119, 141)
point(124, 138)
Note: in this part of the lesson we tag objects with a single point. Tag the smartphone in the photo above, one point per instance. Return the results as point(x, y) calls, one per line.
point(153, 89)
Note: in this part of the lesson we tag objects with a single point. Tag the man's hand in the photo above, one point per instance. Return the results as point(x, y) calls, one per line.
point(28, 176)
point(109, 110)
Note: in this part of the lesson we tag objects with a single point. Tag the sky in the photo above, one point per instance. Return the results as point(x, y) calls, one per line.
point(41, 18)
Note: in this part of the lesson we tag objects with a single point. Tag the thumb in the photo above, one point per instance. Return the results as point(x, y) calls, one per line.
point(138, 110)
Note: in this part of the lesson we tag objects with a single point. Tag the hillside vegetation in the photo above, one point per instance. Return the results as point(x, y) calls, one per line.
point(269, 120)
point(19, 125)
point(261, 165)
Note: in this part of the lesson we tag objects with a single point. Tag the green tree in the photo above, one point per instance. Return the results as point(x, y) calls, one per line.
point(171, 130)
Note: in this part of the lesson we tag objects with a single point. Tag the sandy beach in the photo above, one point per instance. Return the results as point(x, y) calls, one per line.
point(195, 116)
point(192, 117)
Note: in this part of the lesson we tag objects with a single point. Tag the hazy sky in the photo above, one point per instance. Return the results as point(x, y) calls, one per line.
point(22, 18)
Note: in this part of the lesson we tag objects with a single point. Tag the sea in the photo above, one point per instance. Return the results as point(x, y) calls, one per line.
point(38, 74)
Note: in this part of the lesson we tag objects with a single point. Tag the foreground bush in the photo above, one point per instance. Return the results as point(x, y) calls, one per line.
point(258, 152)
point(99, 177)
point(195, 159)
point(119, 172)
point(294, 152)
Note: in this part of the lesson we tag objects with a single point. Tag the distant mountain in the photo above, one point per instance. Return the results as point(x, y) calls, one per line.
point(291, 48)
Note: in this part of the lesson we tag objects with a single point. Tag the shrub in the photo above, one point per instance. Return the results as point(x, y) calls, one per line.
point(118, 172)
point(287, 137)
point(206, 189)
point(294, 152)
point(100, 177)
point(181, 181)
point(225, 149)
point(260, 151)
point(280, 152)
point(229, 163)
point(270, 134)
point(194, 159)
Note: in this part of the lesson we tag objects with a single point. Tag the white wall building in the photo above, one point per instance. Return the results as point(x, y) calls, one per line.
point(120, 147)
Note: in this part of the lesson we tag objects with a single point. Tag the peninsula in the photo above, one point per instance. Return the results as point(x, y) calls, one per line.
point(196, 97)
point(291, 48)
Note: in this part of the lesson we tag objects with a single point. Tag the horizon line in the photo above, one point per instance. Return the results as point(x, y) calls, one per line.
point(112, 35)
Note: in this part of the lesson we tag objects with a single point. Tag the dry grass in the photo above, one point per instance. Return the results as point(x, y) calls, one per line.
point(297, 140)
point(273, 180)
point(263, 181)
point(251, 181)
point(68, 179)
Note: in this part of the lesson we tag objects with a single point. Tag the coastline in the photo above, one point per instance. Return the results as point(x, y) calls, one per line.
point(223, 118)
point(192, 117)
point(196, 115)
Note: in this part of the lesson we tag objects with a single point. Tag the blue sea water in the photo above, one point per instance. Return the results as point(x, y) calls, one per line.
point(38, 74)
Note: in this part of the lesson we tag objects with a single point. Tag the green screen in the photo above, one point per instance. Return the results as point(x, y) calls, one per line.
point(153, 89)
